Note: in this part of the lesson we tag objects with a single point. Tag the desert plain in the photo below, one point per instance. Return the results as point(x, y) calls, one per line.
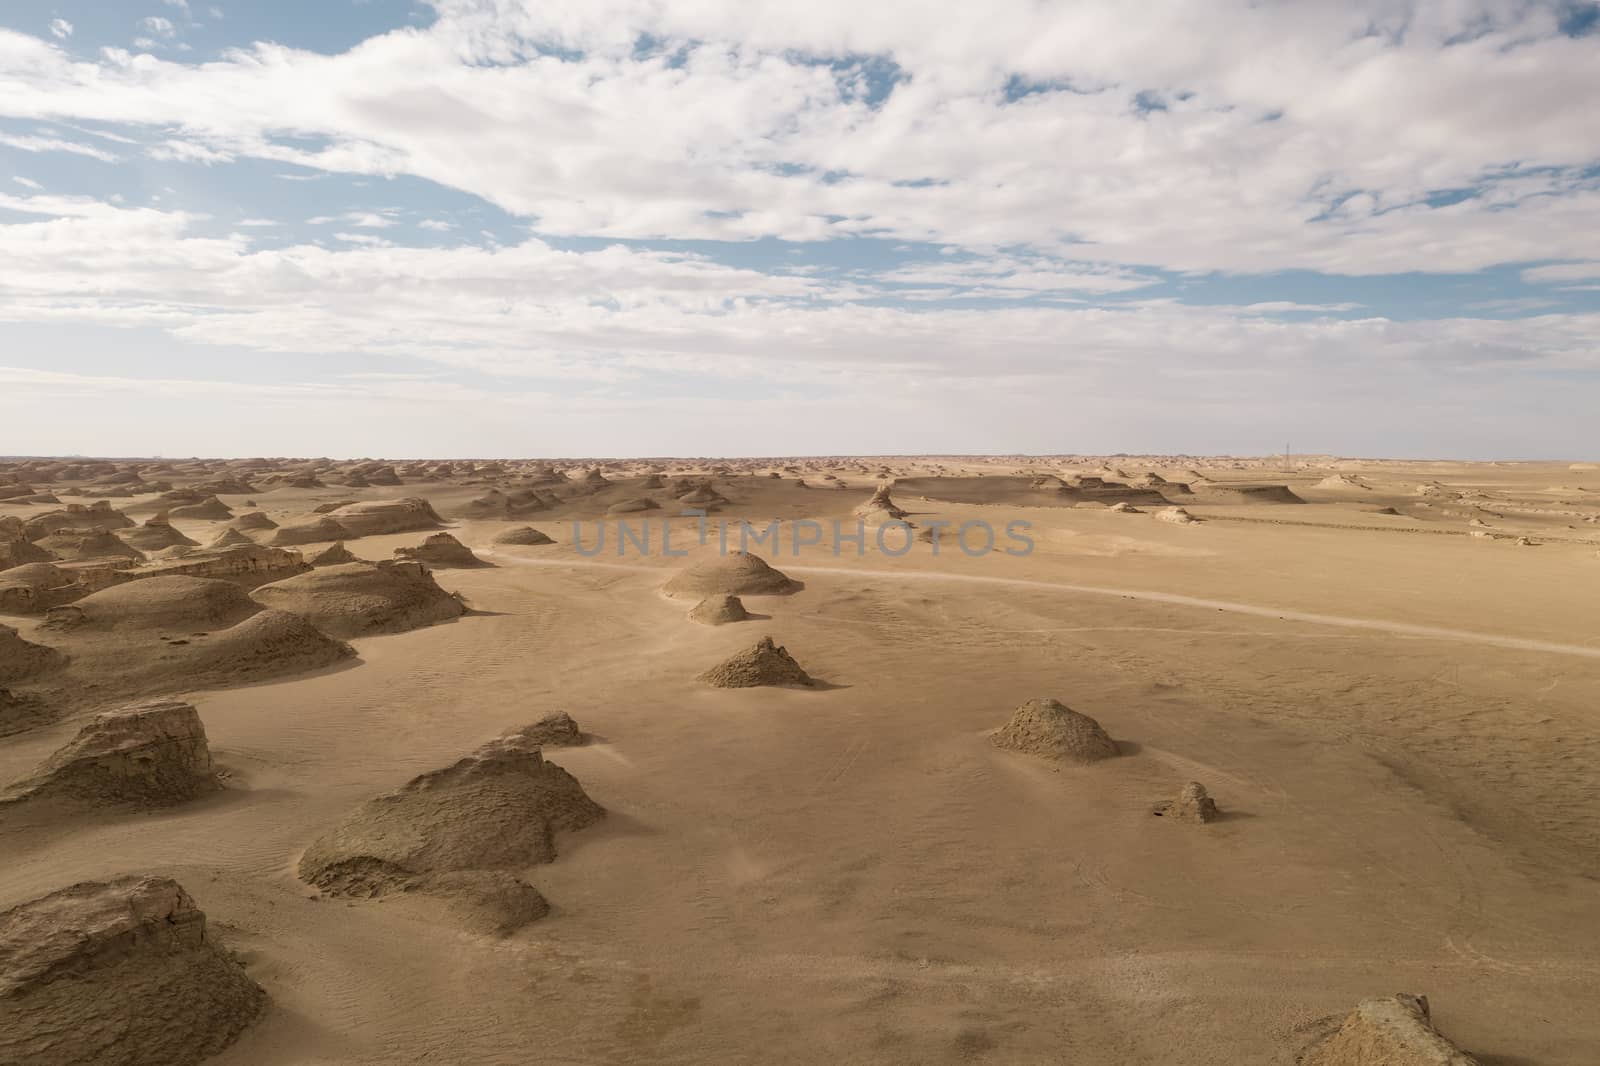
point(265, 801)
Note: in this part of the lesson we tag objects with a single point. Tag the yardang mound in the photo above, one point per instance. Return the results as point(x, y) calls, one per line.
point(444, 551)
point(1394, 1031)
point(21, 659)
point(880, 506)
point(1193, 804)
point(333, 555)
point(556, 730)
point(154, 754)
point(363, 599)
point(764, 664)
point(118, 972)
point(1050, 728)
point(461, 832)
point(311, 531)
point(373, 517)
point(522, 535)
point(170, 603)
point(741, 574)
point(155, 534)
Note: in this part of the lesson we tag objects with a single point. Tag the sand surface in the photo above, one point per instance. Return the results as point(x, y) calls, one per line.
point(1398, 720)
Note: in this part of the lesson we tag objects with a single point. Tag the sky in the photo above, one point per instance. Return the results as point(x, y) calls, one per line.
point(469, 228)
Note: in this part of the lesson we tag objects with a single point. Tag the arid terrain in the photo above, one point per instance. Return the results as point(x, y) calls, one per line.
point(342, 797)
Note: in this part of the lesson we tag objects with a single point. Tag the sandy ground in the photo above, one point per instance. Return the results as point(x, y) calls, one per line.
point(1401, 727)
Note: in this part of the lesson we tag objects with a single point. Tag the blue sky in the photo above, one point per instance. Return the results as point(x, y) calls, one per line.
point(495, 228)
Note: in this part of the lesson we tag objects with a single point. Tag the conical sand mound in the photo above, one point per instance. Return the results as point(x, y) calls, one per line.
point(718, 610)
point(265, 645)
point(1392, 1031)
point(764, 664)
point(155, 534)
point(880, 506)
point(1050, 728)
point(735, 575)
point(118, 972)
point(522, 535)
point(153, 754)
point(230, 536)
point(78, 545)
point(333, 555)
point(442, 550)
point(21, 659)
point(363, 599)
point(556, 730)
point(252, 520)
point(1194, 804)
point(461, 832)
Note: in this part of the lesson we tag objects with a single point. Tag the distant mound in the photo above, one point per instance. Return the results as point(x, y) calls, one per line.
point(1392, 1031)
point(1343, 483)
point(718, 610)
point(152, 754)
point(76, 516)
point(79, 545)
point(1248, 493)
point(211, 510)
point(741, 574)
point(764, 664)
point(118, 972)
point(333, 555)
point(1050, 728)
point(228, 537)
point(444, 551)
point(633, 505)
point(525, 535)
point(21, 659)
point(310, 531)
point(1125, 507)
point(363, 599)
point(1176, 515)
point(169, 603)
point(461, 832)
point(880, 506)
point(1194, 804)
point(373, 517)
point(156, 533)
point(252, 520)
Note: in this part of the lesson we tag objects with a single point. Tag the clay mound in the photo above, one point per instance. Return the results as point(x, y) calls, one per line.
point(333, 555)
point(153, 754)
point(327, 508)
point(118, 972)
point(1393, 1031)
point(363, 599)
point(1343, 483)
point(1125, 508)
point(228, 537)
point(522, 535)
point(156, 533)
point(33, 587)
point(311, 531)
point(740, 574)
point(1386, 510)
point(374, 517)
point(177, 603)
point(704, 496)
point(252, 520)
point(764, 664)
point(1176, 515)
point(497, 810)
point(880, 506)
point(14, 551)
point(226, 486)
point(652, 481)
point(211, 510)
point(442, 550)
point(77, 545)
point(1050, 728)
point(21, 659)
point(1193, 804)
point(75, 516)
point(269, 644)
point(633, 505)
point(556, 730)
point(718, 610)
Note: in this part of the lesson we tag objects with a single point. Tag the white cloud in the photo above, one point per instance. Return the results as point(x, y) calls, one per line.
point(436, 224)
point(61, 29)
point(55, 144)
point(158, 26)
point(28, 183)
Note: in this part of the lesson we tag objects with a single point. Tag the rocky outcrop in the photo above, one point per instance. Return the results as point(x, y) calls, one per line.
point(21, 659)
point(1391, 1031)
point(121, 972)
point(152, 755)
point(1193, 804)
point(443, 551)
